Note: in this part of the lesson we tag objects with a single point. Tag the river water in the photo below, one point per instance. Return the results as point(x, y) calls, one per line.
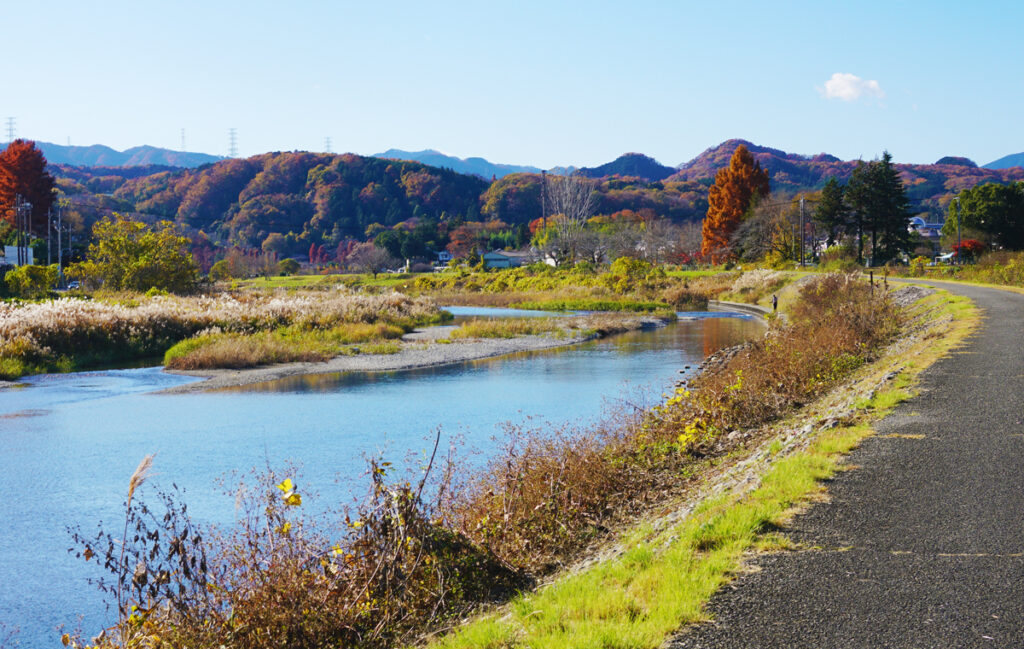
point(68, 443)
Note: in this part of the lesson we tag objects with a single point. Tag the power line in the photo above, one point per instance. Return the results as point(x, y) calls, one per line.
point(232, 143)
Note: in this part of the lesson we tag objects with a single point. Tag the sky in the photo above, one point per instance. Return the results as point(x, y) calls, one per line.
point(541, 83)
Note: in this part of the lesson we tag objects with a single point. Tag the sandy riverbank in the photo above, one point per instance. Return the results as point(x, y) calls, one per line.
point(419, 349)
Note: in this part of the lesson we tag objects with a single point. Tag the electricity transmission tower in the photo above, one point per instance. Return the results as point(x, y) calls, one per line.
point(232, 143)
point(10, 129)
point(327, 145)
point(183, 140)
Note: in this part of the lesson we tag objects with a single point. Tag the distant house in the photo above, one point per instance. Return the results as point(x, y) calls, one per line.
point(507, 259)
point(929, 231)
point(444, 257)
point(11, 256)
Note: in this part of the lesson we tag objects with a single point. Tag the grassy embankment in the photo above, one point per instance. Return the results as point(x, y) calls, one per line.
point(69, 334)
point(662, 575)
point(406, 563)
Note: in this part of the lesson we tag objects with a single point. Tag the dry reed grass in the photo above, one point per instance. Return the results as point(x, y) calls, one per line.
point(40, 335)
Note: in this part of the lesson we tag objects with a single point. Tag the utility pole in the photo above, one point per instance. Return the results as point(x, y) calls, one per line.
point(232, 143)
point(957, 200)
point(801, 231)
point(543, 197)
point(23, 224)
point(60, 242)
point(49, 229)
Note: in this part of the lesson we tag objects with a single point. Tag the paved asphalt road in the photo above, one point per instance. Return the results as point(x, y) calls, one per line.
point(923, 544)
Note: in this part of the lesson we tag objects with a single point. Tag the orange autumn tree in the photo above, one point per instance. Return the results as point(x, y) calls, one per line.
point(23, 173)
point(729, 199)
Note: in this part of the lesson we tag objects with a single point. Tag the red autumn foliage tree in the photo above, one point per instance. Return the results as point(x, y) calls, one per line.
point(969, 249)
point(23, 173)
point(729, 199)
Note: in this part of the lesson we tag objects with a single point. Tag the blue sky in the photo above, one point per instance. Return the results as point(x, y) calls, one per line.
point(542, 83)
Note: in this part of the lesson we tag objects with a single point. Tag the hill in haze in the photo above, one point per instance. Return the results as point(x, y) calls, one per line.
point(630, 164)
point(476, 166)
point(99, 155)
point(956, 160)
point(1012, 160)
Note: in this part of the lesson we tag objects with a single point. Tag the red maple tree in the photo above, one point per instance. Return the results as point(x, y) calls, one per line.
point(23, 173)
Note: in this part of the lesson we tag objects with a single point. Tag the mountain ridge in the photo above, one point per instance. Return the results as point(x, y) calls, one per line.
point(100, 155)
point(1007, 162)
point(474, 165)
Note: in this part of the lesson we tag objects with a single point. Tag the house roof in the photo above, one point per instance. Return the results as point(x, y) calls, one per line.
point(509, 254)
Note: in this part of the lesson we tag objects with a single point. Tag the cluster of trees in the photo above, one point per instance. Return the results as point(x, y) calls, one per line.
point(992, 213)
point(516, 198)
point(872, 208)
point(570, 231)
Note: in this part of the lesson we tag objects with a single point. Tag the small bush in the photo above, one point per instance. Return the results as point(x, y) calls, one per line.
point(31, 282)
point(286, 266)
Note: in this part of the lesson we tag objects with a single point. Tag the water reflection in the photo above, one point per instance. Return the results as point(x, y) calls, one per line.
point(69, 442)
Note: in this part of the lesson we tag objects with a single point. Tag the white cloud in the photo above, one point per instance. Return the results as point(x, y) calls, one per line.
point(850, 87)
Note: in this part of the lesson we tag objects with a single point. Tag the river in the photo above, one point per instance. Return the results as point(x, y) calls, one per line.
point(69, 442)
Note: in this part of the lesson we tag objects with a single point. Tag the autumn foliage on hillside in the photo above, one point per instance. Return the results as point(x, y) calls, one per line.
point(301, 199)
point(929, 186)
point(729, 199)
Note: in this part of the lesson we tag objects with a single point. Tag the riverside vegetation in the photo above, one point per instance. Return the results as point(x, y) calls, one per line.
point(72, 333)
point(316, 321)
point(423, 550)
point(1001, 268)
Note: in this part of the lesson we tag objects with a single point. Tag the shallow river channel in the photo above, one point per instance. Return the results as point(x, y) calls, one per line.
point(68, 443)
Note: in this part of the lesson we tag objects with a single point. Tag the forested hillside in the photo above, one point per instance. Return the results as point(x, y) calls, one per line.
point(308, 197)
point(631, 164)
point(930, 187)
point(325, 199)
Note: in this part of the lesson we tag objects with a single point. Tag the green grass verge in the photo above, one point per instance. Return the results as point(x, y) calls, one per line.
point(506, 328)
point(662, 581)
